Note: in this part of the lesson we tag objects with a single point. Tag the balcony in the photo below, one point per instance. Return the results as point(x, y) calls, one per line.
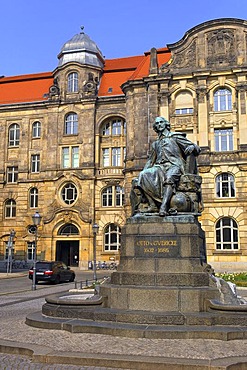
point(110, 171)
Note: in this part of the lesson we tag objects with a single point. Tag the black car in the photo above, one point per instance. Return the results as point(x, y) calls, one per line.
point(54, 271)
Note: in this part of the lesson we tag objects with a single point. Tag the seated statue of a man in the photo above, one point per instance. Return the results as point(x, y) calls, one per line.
point(159, 179)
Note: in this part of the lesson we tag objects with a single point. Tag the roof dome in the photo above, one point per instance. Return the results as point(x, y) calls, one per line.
point(81, 49)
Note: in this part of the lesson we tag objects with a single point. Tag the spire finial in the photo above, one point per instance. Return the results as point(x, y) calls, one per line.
point(82, 28)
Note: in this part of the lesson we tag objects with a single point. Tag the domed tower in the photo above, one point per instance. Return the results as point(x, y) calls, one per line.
point(79, 69)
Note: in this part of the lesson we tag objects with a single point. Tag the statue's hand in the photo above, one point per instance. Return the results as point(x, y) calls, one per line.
point(189, 149)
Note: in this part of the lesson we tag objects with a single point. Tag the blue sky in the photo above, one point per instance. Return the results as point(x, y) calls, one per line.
point(32, 32)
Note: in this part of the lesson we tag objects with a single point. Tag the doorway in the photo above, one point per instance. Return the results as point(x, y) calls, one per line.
point(67, 251)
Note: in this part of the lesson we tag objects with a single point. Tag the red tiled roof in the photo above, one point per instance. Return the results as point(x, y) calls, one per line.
point(163, 55)
point(122, 63)
point(116, 72)
point(34, 87)
point(25, 88)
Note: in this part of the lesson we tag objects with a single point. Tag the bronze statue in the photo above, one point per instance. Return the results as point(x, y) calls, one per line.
point(172, 157)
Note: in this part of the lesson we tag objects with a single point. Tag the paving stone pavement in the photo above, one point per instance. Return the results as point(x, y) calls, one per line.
point(13, 362)
point(13, 330)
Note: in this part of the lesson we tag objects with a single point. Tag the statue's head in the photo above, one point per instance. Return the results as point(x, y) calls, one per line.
point(160, 124)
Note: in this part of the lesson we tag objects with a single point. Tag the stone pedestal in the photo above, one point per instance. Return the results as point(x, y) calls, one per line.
point(161, 267)
point(160, 289)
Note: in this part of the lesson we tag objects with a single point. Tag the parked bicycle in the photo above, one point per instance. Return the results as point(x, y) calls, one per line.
point(106, 266)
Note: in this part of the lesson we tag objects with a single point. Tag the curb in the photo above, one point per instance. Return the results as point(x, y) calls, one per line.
point(46, 355)
point(4, 275)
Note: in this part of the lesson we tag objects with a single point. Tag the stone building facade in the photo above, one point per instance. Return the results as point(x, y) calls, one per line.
point(73, 139)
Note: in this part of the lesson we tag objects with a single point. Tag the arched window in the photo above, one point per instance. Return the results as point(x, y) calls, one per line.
point(73, 82)
point(68, 229)
point(34, 198)
point(69, 193)
point(71, 124)
point(112, 196)
point(112, 238)
point(184, 103)
point(36, 131)
point(222, 100)
point(14, 134)
point(226, 234)
point(113, 127)
point(10, 208)
point(225, 186)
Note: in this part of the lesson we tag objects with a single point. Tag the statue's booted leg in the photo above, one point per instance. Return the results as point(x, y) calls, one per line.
point(168, 192)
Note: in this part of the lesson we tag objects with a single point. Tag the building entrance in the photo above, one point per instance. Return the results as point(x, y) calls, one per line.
point(68, 252)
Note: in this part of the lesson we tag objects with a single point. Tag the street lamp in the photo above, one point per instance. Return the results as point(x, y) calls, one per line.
point(95, 228)
point(36, 221)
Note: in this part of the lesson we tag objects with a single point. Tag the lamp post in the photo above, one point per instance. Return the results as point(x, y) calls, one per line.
point(36, 221)
point(10, 250)
point(95, 230)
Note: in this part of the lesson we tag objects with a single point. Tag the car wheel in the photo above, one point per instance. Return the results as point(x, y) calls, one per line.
point(72, 278)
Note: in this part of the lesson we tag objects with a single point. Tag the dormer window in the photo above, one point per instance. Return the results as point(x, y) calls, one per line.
point(73, 82)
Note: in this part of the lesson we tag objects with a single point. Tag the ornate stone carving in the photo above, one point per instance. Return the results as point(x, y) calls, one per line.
point(90, 85)
point(201, 92)
point(186, 58)
point(221, 47)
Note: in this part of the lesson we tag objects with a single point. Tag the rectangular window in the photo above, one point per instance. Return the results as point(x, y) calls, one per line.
point(70, 157)
point(223, 140)
point(12, 174)
point(106, 158)
point(184, 111)
point(75, 156)
point(35, 163)
point(30, 251)
point(116, 157)
point(65, 157)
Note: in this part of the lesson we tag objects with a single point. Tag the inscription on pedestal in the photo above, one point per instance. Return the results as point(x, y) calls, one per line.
point(158, 247)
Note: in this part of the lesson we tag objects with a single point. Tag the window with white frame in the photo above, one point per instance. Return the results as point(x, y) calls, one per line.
point(30, 251)
point(10, 208)
point(34, 198)
point(223, 139)
point(70, 157)
point(222, 100)
point(36, 129)
point(68, 229)
point(14, 134)
point(71, 124)
point(113, 127)
point(69, 193)
point(116, 157)
point(225, 185)
point(12, 174)
point(184, 103)
point(105, 157)
point(184, 111)
point(112, 238)
point(113, 157)
point(35, 163)
point(73, 82)
point(112, 196)
point(226, 234)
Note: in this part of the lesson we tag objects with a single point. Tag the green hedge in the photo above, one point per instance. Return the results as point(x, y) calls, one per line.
point(238, 278)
